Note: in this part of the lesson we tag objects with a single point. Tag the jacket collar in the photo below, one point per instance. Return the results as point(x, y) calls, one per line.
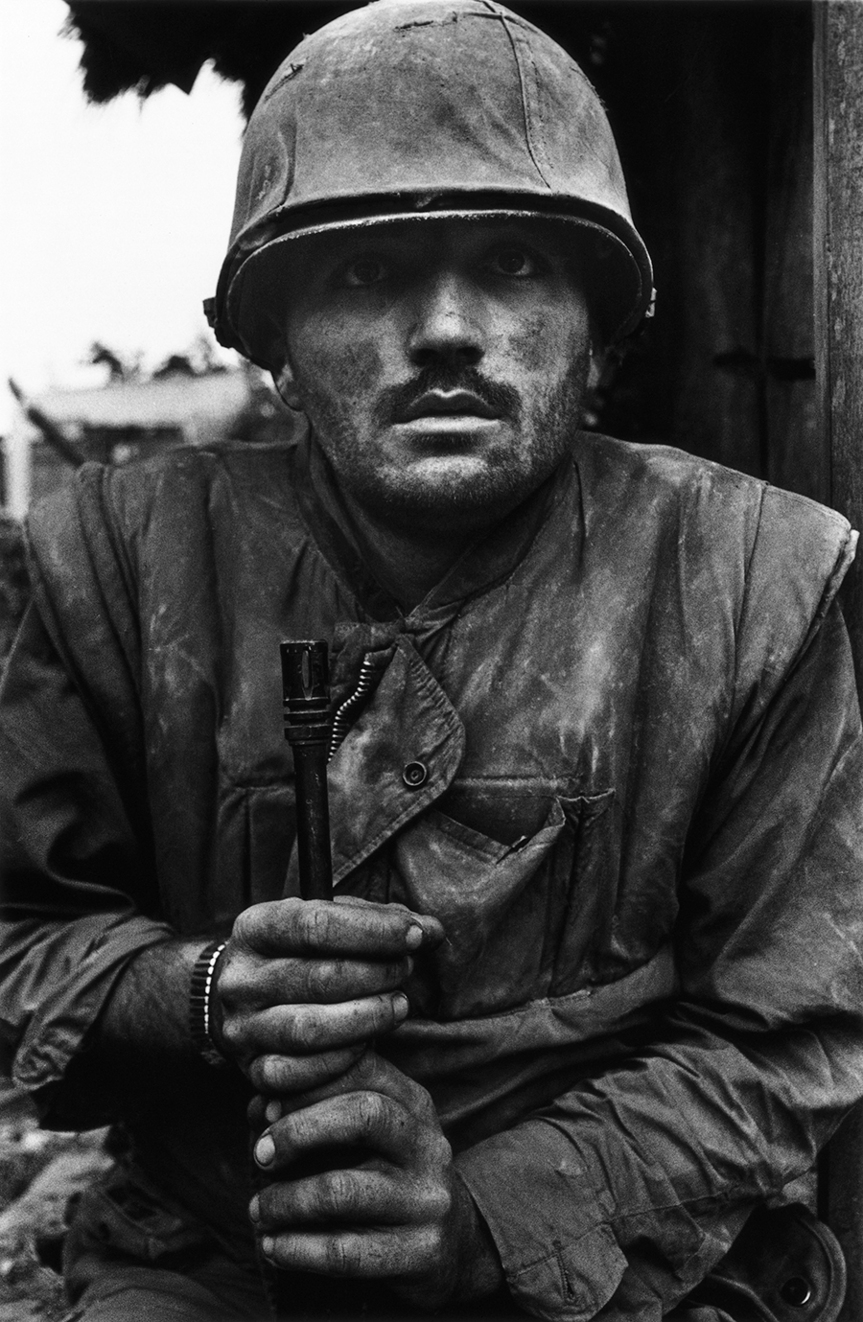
point(487, 561)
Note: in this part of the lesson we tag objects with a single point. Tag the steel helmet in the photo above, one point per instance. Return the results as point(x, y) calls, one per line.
point(418, 109)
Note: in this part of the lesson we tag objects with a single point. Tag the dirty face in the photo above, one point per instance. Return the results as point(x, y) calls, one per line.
point(441, 363)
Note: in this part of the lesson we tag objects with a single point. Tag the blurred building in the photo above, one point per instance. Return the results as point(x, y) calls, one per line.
point(125, 421)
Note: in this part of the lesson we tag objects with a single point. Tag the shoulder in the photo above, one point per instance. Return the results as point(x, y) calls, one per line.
point(111, 511)
point(728, 514)
point(721, 545)
point(127, 491)
point(119, 541)
point(642, 475)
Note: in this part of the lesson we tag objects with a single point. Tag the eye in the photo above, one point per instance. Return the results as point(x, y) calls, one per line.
point(514, 262)
point(364, 271)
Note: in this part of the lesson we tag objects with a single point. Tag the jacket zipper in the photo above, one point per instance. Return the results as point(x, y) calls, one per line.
point(342, 718)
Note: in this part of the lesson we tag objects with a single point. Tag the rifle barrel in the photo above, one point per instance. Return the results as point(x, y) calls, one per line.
point(308, 726)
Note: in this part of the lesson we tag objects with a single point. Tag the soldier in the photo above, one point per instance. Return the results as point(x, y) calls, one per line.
point(589, 999)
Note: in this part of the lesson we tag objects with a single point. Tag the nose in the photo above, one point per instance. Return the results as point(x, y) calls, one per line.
point(447, 325)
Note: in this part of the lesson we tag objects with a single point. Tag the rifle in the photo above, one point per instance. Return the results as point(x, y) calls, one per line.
point(303, 1296)
point(308, 729)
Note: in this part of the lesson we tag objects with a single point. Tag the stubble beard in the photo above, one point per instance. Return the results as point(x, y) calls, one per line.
point(406, 499)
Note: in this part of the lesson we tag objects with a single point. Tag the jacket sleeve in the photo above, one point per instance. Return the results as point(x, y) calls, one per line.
point(614, 1201)
point(79, 894)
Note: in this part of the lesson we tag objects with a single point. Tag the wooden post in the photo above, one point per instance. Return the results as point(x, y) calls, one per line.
point(838, 229)
point(838, 197)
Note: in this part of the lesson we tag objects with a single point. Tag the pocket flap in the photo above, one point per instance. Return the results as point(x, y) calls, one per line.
point(473, 884)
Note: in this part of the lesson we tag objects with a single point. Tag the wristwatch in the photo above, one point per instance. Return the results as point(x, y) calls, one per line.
point(203, 977)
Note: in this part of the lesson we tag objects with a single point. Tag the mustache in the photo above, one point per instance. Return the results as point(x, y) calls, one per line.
point(394, 401)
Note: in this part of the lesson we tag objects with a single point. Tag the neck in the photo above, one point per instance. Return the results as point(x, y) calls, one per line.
point(407, 564)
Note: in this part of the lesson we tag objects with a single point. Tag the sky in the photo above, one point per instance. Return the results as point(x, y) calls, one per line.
point(113, 219)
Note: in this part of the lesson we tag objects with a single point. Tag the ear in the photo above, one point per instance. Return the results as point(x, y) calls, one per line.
point(286, 384)
point(596, 367)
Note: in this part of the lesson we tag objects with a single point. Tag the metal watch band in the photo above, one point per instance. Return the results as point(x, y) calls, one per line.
point(199, 1003)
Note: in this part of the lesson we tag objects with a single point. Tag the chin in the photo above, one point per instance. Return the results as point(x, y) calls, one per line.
point(450, 495)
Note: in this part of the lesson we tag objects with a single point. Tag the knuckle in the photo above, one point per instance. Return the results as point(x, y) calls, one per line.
point(312, 1071)
point(343, 1256)
point(369, 1072)
point(252, 922)
point(280, 1072)
point(327, 1065)
point(401, 970)
point(316, 922)
point(371, 1112)
point(302, 1028)
point(229, 977)
point(317, 981)
point(338, 1194)
point(382, 1010)
point(244, 926)
point(259, 1074)
point(234, 1031)
point(272, 1074)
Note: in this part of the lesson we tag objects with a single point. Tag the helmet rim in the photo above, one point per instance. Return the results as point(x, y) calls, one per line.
point(244, 278)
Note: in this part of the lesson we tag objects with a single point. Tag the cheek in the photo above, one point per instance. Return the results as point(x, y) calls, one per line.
point(547, 346)
point(345, 371)
point(529, 345)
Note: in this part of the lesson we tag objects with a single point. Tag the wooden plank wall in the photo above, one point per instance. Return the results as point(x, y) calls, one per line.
point(839, 268)
point(794, 443)
point(712, 107)
point(838, 87)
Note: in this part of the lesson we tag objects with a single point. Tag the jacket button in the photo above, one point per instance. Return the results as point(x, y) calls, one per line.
point(415, 774)
point(796, 1291)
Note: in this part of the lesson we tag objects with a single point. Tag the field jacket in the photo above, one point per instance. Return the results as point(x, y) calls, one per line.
point(637, 814)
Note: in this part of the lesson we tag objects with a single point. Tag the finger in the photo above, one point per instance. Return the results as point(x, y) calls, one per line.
point(302, 1074)
point(367, 1071)
point(304, 980)
point(432, 928)
point(364, 1254)
point(315, 927)
point(297, 1030)
point(368, 1120)
point(358, 1196)
point(354, 1197)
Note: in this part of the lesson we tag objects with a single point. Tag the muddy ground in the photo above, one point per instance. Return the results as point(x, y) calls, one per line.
point(39, 1172)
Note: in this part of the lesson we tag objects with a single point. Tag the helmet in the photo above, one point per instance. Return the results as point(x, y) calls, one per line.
point(418, 109)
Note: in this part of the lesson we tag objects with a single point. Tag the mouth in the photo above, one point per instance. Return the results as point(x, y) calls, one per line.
point(447, 403)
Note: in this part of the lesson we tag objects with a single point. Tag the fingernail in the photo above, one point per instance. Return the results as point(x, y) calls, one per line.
point(414, 937)
point(265, 1150)
point(255, 1208)
point(400, 1005)
point(267, 1245)
point(273, 1112)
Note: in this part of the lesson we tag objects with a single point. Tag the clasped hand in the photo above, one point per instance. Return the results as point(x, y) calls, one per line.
point(304, 986)
point(302, 990)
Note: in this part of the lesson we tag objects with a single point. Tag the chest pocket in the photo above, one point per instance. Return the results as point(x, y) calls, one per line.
point(523, 920)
